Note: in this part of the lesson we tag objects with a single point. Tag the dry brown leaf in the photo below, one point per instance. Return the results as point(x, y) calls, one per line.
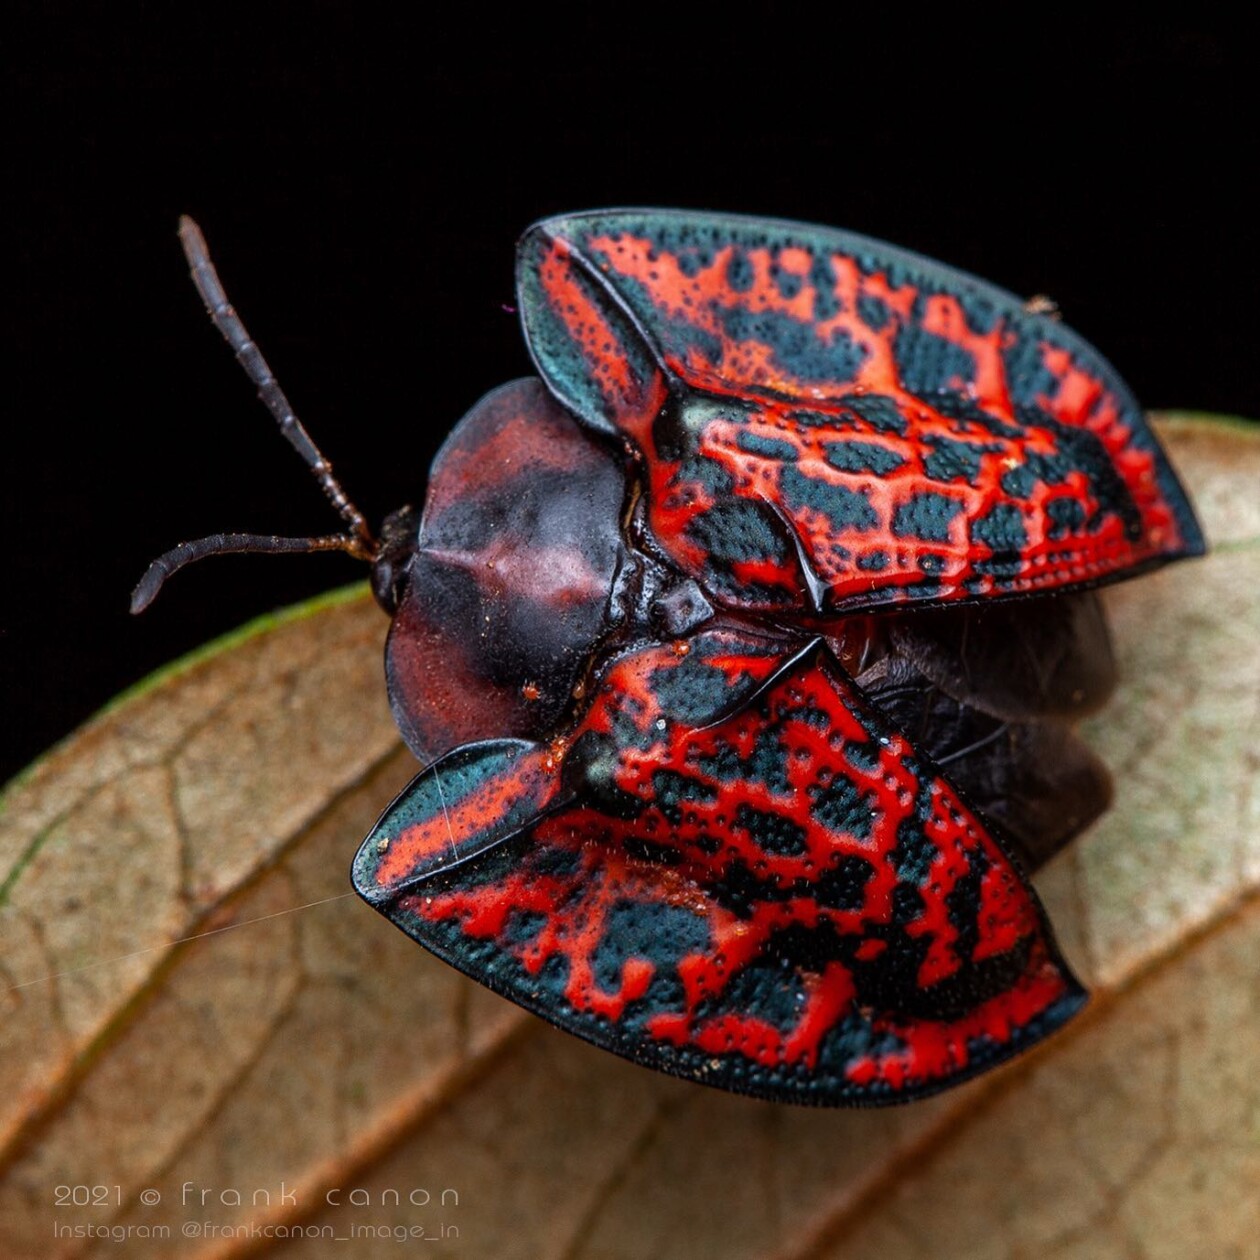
point(307, 1052)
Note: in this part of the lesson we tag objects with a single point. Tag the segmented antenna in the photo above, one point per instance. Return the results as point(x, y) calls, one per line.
point(358, 541)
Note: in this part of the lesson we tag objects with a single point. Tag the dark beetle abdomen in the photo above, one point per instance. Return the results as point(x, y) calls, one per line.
point(991, 694)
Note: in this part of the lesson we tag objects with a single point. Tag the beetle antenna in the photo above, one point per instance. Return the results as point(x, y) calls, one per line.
point(358, 542)
point(228, 322)
point(224, 544)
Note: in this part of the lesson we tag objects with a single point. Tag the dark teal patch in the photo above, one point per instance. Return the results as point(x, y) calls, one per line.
point(959, 407)
point(659, 933)
point(796, 346)
point(1083, 451)
point(953, 460)
point(846, 509)
point(862, 457)
point(814, 419)
point(929, 364)
point(843, 887)
point(693, 243)
point(690, 692)
point(897, 273)
point(879, 411)
point(740, 273)
point(864, 756)
point(1067, 516)
point(737, 530)
point(841, 808)
point(1027, 377)
point(787, 282)
point(766, 763)
point(691, 262)
point(772, 832)
point(1002, 531)
point(684, 336)
point(926, 589)
point(873, 312)
point(915, 850)
point(980, 313)
point(707, 473)
point(1052, 470)
point(674, 791)
point(811, 715)
point(926, 516)
point(552, 862)
point(761, 990)
point(873, 561)
point(822, 276)
point(771, 448)
point(963, 904)
point(854, 1039)
point(521, 927)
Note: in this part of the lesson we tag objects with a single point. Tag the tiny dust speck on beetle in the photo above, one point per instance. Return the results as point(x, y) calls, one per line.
point(744, 646)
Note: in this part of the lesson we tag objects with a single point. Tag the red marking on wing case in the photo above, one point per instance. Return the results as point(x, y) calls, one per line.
point(792, 860)
point(630, 398)
point(422, 843)
point(796, 338)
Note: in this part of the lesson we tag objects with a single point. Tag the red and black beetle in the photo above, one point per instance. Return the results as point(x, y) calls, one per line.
point(743, 649)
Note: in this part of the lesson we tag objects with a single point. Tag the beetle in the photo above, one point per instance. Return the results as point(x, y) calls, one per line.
point(742, 647)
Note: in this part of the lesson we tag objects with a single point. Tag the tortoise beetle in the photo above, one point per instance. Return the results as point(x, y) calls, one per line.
point(742, 647)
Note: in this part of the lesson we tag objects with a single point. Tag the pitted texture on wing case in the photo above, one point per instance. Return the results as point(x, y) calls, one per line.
point(732, 864)
point(780, 898)
point(901, 430)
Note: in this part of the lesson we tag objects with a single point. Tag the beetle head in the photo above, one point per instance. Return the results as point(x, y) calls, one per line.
point(393, 554)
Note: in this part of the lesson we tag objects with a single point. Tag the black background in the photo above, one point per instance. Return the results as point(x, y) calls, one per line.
point(362, 185)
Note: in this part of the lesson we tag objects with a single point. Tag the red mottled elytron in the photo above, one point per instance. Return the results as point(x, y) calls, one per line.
point(744, 647)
